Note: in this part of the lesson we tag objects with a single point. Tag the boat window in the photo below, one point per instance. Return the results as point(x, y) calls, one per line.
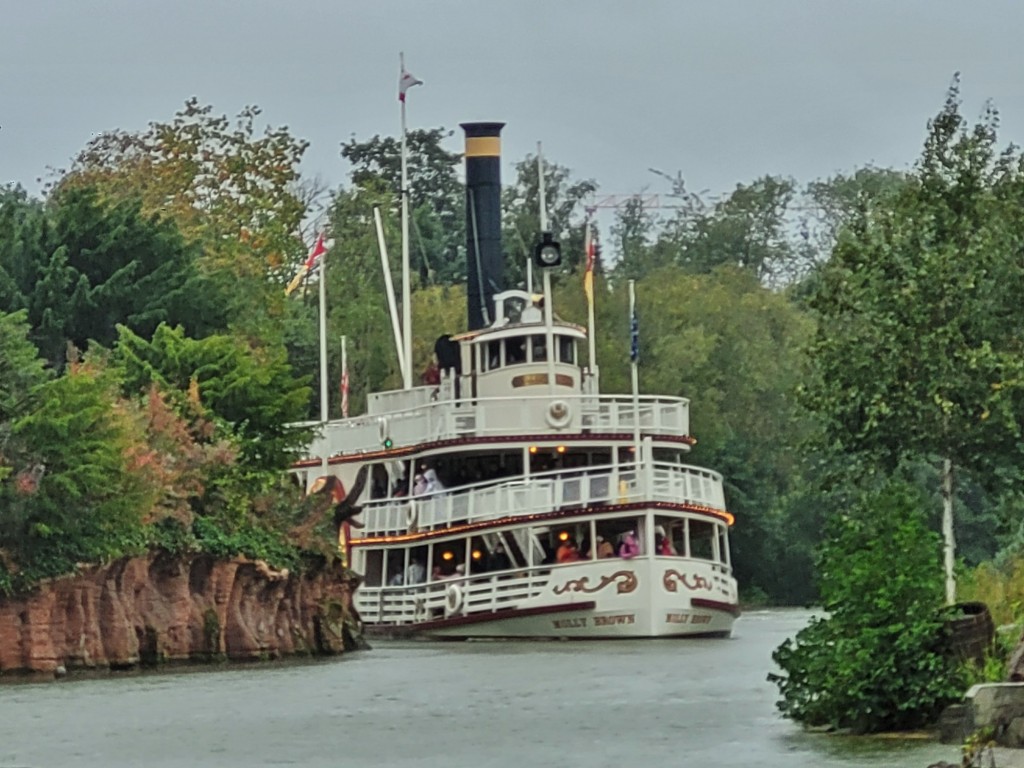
point(394, 573)
point(493, 355)
point(416, 572)
point(539, 348)
point(566, 349)
point(449, 560)
point(515, 351)
point(702, 539)
point(373, 568)
point(723, 544)
point(677, 534)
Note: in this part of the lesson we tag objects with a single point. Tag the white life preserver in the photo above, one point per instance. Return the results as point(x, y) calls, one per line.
point(453, 600)
point(558, 414)
point(383, 428)
point(412, 517)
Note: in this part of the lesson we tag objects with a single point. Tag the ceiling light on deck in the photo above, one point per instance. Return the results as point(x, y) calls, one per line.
point(560, 449)
point(563, 535)
point(477, 554)
point(447, 555)
point(533, 449)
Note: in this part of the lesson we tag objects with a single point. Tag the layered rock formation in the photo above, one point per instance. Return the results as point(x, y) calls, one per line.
point(162, 608)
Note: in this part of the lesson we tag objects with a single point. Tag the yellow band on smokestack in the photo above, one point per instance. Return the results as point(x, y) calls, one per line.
point(483, 146)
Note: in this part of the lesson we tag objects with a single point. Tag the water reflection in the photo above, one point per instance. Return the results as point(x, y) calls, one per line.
point(622, 704)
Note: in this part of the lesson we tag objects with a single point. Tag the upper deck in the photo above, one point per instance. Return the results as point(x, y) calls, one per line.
point(412, 417)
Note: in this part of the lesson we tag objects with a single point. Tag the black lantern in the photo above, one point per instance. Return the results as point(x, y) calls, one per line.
point(548, 252)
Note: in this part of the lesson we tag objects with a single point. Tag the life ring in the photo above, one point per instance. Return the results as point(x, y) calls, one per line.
point(558, 414)
point(383, 429)
point(453, 600)
point(412, 517)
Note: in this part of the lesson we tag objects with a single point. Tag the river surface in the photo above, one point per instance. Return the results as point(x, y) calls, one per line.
point(501, 704)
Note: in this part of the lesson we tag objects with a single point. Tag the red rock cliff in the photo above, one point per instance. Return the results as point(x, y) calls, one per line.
point(166, 608)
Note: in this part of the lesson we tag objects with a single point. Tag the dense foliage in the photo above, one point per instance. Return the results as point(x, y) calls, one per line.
point(875, 660)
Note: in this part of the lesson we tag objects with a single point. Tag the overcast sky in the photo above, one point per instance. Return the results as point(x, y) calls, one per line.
point(722, 91)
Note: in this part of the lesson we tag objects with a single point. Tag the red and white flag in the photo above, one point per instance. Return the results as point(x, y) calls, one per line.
point(406, 81)
point(314, 258)
point(318, 250)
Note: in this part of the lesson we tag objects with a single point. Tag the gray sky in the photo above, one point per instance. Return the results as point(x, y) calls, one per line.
point(722, 91)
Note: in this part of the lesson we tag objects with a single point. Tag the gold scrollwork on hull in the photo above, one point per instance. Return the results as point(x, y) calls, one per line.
point(672, 576)
point(627, 584)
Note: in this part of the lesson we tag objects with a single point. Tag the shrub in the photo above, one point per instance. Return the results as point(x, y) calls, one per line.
point(875, 661)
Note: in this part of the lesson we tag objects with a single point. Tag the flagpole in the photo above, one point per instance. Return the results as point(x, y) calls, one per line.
point(591, 340)
point(406, 300)
point(344, 377)
point(634, 356)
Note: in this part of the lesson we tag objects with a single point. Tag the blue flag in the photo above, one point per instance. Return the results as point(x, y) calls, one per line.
point(634, 337)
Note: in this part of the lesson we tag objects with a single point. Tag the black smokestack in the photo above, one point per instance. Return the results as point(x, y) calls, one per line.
point(484, 259)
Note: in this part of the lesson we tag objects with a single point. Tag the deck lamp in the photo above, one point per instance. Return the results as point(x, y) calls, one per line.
point(547, 253)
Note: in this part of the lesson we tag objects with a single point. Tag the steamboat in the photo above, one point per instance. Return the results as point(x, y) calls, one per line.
point(507, 497)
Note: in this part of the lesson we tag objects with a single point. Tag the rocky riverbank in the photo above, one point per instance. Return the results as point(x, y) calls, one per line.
point(159, 608)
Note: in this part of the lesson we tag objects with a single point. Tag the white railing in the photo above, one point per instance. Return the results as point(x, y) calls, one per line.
point(491, 592)
point(424, 602)
point(547, 492)
point(428, 420)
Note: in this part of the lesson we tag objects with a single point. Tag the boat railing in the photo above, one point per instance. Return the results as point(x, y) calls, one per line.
point(427, 419)
point(546, 492)
point(483, 592)
point(487, 592)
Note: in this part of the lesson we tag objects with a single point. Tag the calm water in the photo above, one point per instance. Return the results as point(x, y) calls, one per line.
point(621, 704)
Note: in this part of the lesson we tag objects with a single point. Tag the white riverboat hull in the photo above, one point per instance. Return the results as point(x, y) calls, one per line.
point(615, 598)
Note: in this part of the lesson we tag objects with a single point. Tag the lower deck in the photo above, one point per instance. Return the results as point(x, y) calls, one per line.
point(648, 573)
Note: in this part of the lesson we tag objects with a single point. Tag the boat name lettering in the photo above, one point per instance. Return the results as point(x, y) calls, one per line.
point(687, 618)
point(598, 621)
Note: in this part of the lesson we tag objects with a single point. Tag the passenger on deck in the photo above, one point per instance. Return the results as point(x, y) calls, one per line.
point(432, 375)
point(662, 544)
point(419, 485)
point(567, 552)
point(433, 483)
point(629, 547)
point(604, 548)
point(415, 573)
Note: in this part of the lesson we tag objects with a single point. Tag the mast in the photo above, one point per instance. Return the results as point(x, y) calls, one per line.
point(324, 414)
point(406, 291)
point(548, 309)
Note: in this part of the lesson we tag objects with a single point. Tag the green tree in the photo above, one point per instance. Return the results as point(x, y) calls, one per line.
point(227, 186)
point(436, 200)
point(875, 661)
point(917, 353)
point(249, 388)
point(79, 502)
point(81, 266)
